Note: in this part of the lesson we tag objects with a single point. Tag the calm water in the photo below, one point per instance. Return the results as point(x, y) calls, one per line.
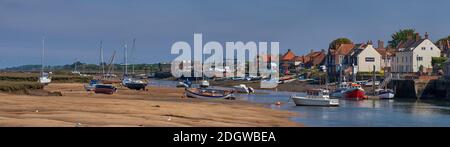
point(375, 113)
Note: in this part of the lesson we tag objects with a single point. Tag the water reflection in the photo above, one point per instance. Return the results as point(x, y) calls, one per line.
point(380, 113)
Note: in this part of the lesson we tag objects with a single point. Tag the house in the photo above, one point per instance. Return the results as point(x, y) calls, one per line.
point(414, 55)
point(287, 62)
point(314, 58)
point(386, 56)
point(365, 58)
point(338, 58)
point(444, 45)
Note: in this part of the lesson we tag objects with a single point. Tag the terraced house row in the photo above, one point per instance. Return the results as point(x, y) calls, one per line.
point(413, 55)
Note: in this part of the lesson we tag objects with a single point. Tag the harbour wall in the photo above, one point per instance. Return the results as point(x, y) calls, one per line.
point(436, 89)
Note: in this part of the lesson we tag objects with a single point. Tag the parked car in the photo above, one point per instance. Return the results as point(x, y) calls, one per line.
point(105, 89)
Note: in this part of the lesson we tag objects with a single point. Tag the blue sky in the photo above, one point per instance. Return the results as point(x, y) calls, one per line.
point(74, 28)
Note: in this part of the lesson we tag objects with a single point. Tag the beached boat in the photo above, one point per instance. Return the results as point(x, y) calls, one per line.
point(105, 89)
point(44, 78)
point(208, 93)
point(184, 84)
point(133, 83)
point(242, 88)
point(354, 92)
point(385, 93)
point(91, 85)
point(315, 97)
point(204, 84)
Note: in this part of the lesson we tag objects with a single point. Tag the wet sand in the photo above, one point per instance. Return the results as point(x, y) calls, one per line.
point(157, 107)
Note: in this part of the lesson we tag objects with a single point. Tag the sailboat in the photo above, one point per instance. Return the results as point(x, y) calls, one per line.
point(128, 81)
point(44, 78)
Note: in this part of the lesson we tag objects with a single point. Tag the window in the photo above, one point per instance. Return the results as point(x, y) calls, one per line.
point(419, 58)
point(370, 59)
point(423, 48)
point(431, 48)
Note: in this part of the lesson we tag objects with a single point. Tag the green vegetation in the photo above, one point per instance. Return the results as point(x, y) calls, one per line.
point(400, 36)
point(438, 62)
point(335, 43)
point(11, 86)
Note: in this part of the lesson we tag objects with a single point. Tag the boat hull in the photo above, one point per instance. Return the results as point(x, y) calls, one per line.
point(355, 94)
point(386, 96)
point(302, 101)
point(193, 94)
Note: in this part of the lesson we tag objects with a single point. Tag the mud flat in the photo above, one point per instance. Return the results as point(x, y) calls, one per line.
point(156, 107)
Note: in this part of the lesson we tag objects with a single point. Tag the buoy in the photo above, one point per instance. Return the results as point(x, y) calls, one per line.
point(278, 103)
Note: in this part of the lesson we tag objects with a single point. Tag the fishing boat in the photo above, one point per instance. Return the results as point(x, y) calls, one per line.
point(242, 88)
point(208, 93)
point(354, 92)
point(315, 97)
point(44, 78)
point(385, 93)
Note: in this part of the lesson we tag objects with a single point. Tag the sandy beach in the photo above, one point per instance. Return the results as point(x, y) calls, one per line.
point(157, 107)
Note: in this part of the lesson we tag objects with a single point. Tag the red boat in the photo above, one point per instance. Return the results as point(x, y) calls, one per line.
point(355, 92)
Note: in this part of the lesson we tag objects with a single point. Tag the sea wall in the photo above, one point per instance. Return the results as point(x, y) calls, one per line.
point(421, 89)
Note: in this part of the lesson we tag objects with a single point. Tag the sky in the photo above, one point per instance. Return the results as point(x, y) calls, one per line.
point(73, 29)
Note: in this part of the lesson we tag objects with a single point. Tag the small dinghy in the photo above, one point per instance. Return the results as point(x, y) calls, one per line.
point(208, 93)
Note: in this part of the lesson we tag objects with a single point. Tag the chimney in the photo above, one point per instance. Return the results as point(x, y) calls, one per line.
point(426, 35)
point(409, 37)
point(380, 44)
point(417, 36)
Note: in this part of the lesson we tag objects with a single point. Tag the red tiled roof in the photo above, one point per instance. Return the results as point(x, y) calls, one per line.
point(288, 56)
point(345, 49)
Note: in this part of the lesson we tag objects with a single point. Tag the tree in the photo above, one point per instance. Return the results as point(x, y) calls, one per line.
point(335, 43)
point(400, 36)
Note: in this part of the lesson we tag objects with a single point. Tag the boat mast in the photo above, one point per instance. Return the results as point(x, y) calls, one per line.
point(132, 53)
point(126, 60)
point(101, 58)
point(42, 57)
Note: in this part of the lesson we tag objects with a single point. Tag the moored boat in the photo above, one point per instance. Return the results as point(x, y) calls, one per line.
point(315, 97)
point(355, 92)
point(385, 93)
point(208, 93)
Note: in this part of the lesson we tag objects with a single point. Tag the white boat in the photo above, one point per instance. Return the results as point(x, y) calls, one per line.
point(208, 93)
point(242, 88)
point(385, 93)
point(91, 85)
point(44, 78)
point(204, 84)
point(315, 97)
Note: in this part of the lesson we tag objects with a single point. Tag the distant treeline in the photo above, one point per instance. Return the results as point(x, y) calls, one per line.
point(84, 67)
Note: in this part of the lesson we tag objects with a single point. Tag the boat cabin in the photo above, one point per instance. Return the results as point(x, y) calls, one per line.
point(317, 93)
